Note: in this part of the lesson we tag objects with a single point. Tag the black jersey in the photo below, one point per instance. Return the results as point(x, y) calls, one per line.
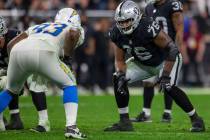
point(140, 43)
point(3, 52)
point(163, 15)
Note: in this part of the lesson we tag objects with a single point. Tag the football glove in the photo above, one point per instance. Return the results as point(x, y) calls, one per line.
point(121, 82)
point(164, 83)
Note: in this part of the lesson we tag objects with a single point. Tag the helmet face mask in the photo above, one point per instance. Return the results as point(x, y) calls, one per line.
point(127, 16)
point(3, 27)
point(125, 25)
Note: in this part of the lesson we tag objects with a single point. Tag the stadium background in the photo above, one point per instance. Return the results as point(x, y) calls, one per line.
point(93, 61)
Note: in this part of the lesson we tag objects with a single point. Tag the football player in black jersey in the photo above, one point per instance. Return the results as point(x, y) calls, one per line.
point(168, 13)
point(5, 36)
point(39, 98)
point(151, 50)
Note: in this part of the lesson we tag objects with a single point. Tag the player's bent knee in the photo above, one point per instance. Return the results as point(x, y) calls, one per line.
point(70, 94)
point(5, 98)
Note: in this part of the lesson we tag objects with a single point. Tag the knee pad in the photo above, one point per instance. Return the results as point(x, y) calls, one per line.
point(5, 98)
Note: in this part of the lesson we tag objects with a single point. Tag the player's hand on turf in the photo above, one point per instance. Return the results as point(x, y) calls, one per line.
point(164, 83)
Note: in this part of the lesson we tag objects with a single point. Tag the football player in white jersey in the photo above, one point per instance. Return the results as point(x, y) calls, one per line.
point(36, 51)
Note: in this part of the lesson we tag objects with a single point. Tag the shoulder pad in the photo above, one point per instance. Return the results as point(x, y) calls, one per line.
point(147, 9)
point(150, 27)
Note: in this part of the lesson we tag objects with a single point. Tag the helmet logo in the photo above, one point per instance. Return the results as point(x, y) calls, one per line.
point(121, 8)
point(135, 10)
point(73, 13)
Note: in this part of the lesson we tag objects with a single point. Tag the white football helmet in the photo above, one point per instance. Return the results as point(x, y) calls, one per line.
point(69, 16)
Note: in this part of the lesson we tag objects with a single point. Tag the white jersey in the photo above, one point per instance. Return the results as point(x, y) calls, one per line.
point(54, 34)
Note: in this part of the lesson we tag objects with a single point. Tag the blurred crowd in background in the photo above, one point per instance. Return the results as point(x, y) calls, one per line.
point(93, 61)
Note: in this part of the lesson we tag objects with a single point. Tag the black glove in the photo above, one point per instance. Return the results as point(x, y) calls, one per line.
point(121, 82)
point(164, 83)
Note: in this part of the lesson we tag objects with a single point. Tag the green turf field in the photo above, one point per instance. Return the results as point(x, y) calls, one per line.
point(97, 112)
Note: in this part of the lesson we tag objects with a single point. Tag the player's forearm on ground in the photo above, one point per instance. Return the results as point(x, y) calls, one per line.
point(168, 65)
point(15, 40)
point(120, 66)
point(171, 58)
point(164, 41)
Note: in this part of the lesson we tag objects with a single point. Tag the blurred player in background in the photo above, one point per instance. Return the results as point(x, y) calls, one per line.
point(36, 51)
point(151, 50)
point(35, 83)
point(168, 13)
point(194, 48)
